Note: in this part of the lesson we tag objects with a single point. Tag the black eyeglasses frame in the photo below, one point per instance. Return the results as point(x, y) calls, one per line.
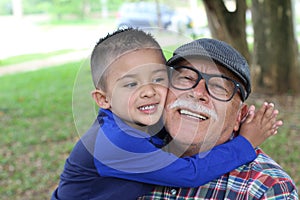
point(206, 77)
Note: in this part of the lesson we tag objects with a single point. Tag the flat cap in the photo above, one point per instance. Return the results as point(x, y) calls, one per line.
point(219, 52)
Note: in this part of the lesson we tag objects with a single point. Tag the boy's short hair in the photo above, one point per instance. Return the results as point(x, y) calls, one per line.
point(114, 45)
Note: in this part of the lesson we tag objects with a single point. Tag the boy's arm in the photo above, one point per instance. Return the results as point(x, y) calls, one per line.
point(135, 158)
point(145, 163)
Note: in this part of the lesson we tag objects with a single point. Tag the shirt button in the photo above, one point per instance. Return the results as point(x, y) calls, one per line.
point(173, 192)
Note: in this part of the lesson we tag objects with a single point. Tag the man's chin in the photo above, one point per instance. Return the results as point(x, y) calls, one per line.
point(190, 148)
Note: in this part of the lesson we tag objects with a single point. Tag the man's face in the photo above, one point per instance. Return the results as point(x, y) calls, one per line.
point(194, 119)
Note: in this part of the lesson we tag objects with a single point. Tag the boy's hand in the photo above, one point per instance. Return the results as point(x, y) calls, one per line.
point(260, 125)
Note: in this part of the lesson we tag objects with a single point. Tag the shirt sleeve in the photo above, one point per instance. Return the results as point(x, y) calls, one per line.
point(133, 157)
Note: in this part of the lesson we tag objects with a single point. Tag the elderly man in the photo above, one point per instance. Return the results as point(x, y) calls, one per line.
point(209, 83)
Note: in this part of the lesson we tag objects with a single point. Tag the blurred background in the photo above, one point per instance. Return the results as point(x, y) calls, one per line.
point(35, 24)
point(44, 51)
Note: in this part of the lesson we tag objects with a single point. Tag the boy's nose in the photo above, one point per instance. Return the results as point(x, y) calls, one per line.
point(148, 90)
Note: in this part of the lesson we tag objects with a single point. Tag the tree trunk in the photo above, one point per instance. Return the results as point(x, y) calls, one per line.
point(228, 26)
point(158, 11)
point(275, 46)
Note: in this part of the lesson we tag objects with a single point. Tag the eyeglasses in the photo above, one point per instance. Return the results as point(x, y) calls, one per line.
point(219, 87)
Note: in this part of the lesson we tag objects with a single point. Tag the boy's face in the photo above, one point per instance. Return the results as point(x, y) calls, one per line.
point(137, 84)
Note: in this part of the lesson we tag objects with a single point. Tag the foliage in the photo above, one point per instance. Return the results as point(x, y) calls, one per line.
point(36, 6)
point(5, 7)
point(60, 8)
point(77, 8)
point(83, 9)
point(29, 6)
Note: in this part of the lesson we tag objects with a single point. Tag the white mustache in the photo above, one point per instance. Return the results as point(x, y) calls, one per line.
point(195, 107)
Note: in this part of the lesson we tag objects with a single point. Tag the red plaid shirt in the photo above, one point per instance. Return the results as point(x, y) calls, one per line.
point(261, 179)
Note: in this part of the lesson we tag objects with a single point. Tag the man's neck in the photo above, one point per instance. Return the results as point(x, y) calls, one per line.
point(182, 150)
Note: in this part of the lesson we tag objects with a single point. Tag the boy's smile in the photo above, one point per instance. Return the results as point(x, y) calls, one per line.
point(148, 109)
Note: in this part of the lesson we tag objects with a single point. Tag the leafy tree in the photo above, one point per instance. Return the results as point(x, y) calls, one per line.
point(36, 6)
point(81, 8)
point(5, 7)
point(68, 7)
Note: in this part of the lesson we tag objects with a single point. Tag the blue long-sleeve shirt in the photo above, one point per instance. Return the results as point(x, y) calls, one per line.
point(112, 160)
point(125, 152)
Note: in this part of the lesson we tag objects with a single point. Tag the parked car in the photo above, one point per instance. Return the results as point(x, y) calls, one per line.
point(145, 14)
point(182, 23)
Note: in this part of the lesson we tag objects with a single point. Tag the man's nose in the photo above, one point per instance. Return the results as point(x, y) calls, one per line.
point(200, 92)
point(148, 90)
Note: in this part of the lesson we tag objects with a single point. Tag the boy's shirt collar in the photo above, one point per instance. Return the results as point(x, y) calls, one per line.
point(155, 139)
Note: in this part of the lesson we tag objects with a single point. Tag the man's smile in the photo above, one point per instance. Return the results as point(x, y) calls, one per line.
point(193, 110)
point(192, 114)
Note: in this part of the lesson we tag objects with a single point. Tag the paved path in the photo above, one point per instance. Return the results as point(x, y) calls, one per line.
point(49, 62)
point(25, 36)
point(164, 39)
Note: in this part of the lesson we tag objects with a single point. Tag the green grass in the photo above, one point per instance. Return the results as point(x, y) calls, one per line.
point(38, 131)
point(284, 147)
point(31, 57)
point(78, 22)
point(91, 22)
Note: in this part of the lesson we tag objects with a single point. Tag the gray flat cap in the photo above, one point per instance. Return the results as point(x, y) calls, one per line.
point(218, 51)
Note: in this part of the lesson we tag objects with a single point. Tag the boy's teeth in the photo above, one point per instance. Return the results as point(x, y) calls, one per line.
point(186, 112)
point(147, 107)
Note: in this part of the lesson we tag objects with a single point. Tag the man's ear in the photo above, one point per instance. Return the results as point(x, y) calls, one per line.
point(101, 99)
point(241, 116)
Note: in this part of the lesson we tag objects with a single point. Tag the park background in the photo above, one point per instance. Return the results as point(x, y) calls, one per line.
point(44, 51)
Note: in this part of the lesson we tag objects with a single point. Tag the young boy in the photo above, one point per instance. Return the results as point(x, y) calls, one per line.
point(130, 76)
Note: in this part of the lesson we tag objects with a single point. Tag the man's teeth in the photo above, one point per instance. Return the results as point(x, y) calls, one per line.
point(186, 112)
point(149, 107)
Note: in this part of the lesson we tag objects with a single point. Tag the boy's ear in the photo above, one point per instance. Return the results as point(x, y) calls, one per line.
point(100, 98)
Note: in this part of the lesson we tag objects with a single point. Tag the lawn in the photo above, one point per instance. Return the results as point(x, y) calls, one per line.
point(30, 57)
point(38, 130)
